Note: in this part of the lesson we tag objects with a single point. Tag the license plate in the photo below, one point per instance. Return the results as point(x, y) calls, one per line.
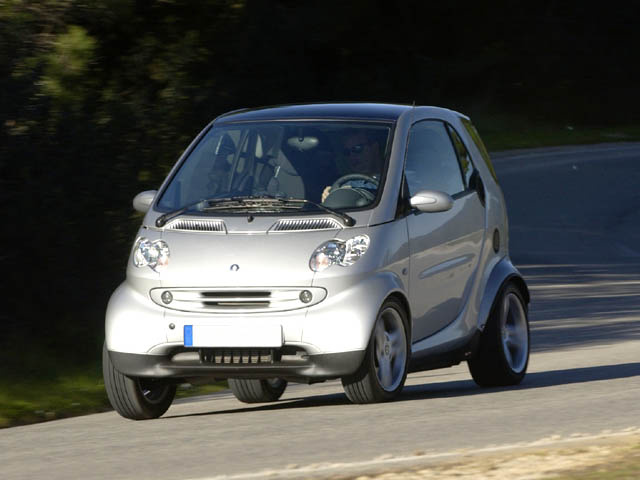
point(232, 336)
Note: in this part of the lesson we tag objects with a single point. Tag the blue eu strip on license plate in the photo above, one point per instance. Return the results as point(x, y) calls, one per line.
point(188, 335)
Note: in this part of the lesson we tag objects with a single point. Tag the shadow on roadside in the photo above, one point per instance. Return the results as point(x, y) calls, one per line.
point(584, 305)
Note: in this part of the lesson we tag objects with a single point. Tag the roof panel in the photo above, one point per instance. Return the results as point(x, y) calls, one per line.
point(365, 111)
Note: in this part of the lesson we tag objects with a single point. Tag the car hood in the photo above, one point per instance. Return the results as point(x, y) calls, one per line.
point(241, 259)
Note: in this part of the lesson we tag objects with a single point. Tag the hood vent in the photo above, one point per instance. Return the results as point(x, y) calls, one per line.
point(306, 224)
point(200, 225)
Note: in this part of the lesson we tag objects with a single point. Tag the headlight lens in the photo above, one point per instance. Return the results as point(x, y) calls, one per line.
point(338, 252)
point(151, 254)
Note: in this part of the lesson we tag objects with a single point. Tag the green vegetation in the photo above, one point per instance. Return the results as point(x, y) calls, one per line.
point(36, 400)
point(505, 132)
point(76, 392)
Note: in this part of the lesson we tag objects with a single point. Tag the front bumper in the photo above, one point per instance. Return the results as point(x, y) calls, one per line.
point(342, 322)
point(188, 363)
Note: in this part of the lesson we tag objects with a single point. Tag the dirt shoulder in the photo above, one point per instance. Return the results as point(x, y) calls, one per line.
point(606, 456)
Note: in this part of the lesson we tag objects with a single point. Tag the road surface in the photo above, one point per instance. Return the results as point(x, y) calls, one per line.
point(575, 234)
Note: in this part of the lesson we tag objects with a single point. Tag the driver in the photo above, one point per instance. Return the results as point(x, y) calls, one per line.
point(363, 156)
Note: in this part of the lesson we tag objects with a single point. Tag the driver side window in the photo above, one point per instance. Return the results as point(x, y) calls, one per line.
point(431, 162)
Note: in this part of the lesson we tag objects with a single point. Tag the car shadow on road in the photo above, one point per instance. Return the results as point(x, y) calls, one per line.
point(533, 380)
point(457, 388)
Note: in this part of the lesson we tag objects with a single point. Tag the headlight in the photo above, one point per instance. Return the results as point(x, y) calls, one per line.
point(339, 252)
point(151, 254)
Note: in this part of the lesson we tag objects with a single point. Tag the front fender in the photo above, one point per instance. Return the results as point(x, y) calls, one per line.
point(345, 319)
point(133, 323)
point(503, 272)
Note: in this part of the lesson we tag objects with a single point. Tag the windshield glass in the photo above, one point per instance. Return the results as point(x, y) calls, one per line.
point(336, 163)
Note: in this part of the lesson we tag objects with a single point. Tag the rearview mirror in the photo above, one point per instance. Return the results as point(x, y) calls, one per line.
point(432, 201)
point(143, 200)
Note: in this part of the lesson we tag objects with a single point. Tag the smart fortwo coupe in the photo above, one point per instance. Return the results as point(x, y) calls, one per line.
point(310, 242)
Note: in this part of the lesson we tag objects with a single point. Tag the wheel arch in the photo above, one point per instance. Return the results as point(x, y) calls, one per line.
point(503, 272)
point(402, 299)
point(522, 286)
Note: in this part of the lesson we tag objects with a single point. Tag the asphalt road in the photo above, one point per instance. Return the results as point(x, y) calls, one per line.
point(575, 234)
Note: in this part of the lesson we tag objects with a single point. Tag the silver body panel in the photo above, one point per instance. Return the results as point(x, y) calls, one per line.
point(441, 265)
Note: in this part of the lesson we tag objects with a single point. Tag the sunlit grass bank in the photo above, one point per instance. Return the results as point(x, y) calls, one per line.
point(623, 464)
point(38, 400)
point(67, 395)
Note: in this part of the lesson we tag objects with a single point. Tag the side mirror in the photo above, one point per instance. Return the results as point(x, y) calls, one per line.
point(431, 201)
point(143, 200)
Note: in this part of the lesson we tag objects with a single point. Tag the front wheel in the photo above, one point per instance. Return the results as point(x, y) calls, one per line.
point(503, 354)
point(257, 391)
point(135, 398)
point(383, 372)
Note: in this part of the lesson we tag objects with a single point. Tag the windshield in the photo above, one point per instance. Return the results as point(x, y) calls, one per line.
point(338, 164)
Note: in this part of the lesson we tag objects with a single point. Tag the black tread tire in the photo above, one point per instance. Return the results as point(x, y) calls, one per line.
point(363, 386)
point(489, 367)
point(126, 395)
point(249, 390)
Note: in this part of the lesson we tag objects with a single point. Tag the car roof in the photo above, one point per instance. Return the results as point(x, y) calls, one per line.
point(362, 111)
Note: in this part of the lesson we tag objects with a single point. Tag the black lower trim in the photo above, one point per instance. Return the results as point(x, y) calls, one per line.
point(432, 361)
point(304, 368)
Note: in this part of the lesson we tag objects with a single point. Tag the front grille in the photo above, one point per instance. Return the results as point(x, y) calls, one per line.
point(238, 356)
point(200, 225)
point(236, 300)
point(306, 224)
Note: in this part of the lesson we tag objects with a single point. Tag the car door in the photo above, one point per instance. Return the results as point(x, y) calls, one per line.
point(444, 246)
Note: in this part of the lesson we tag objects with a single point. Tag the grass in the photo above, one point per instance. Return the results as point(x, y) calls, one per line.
point(625, 466)
point(73, 393)
point(505, 132)
point(40, 399)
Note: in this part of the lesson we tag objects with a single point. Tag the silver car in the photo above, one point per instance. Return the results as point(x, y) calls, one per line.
point(311, 242)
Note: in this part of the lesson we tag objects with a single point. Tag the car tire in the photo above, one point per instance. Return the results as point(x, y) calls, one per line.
point(135, 398)
point(383, 372)
point(503, 352)
point(256, 390)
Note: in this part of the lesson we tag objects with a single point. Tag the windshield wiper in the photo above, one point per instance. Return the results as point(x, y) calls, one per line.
point(244, 201)
point(205, 204)
point(162, 220)
point(348, 220)
point(213, 203)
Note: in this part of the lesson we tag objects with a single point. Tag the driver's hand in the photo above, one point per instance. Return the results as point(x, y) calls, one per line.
point(325, 193)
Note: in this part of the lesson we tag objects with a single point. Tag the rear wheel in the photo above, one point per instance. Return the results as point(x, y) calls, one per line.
point(384, 369)
point(257, 391)
point(503, 353)
point(135, 398)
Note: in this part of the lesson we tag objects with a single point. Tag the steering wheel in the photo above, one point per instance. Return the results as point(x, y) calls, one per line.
point(341, 195)
point(353, 176)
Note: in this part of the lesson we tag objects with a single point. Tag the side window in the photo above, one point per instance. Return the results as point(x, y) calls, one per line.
point(473, 133)
point(431, 162)
point(466, 165)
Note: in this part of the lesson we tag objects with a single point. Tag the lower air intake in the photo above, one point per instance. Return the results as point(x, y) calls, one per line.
point(237, 356)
